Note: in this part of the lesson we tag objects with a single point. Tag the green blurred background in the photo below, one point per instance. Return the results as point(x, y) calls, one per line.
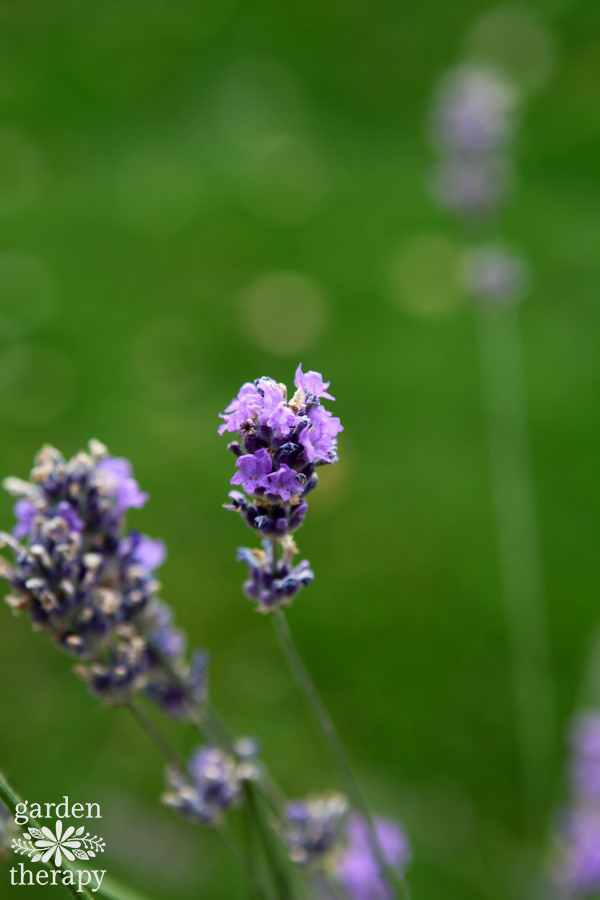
point(195, 194)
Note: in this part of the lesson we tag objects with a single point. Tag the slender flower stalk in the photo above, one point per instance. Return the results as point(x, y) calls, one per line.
point(473, 124)
point(281, 443)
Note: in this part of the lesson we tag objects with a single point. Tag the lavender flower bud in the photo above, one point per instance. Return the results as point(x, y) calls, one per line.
point(209, 787)
point(271, 588)
point(313, 828)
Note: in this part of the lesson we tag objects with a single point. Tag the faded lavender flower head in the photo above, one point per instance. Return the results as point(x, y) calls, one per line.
point(357, 868)
point(280, 444)
point(578, 866)
point(472, 125)
point(494, 275)
point(473, 112)
point(313, 828)
point(209, 787)
point(89, 583)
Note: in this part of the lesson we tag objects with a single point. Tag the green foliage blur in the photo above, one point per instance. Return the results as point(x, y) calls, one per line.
point(193, 195)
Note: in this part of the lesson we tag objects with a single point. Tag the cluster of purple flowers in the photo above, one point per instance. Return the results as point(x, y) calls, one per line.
point(472, 125)
point(578, 872)
point(280, 444)
point(324, 836)
point(90, 583)
point(211, 785)
point(472, 128)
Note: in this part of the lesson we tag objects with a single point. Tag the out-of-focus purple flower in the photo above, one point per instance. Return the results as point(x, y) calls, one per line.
point(24, 511)
point(116, 477)
point(89, 583)
point(579, 873)
point(149, 552)
point(254, 468)
point(473, 112)
point(471, 188)
point(211, 785)
point(313, 827)
point(312, 382)
point(319, 437)
point(357, 867)
point(494, 275)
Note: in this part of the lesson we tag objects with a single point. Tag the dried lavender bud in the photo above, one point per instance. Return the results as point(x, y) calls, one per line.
point(209, 787)
point(313, 828)
point(280, 445)
point(90, 583)
point(358, 870)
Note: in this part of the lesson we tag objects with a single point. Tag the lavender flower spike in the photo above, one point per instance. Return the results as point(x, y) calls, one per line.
point(90, 583)
point(280, 444)
point(357, 868)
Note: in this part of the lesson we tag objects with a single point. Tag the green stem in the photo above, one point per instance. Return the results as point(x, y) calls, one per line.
point(172, 758)
point(156, 736)
point(283, 888)
point(331, 740)
point(11, 800)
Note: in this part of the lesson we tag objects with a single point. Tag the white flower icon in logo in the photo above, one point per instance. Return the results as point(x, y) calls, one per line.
point(43, 845)
point(58, 844)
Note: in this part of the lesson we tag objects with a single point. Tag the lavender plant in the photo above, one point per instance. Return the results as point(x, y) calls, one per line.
point(473, 123)
point(281, 443)
point(89, 583)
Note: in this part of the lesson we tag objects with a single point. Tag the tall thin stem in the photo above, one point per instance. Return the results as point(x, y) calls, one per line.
point(172, 758)
point(518, 542)
point(331, 739)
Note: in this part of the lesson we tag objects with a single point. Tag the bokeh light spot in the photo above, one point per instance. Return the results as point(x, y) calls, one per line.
point(284, 312)
point(26, 292)
point(20, 171)
point(167, 356)
point(258, 98)
point(283, 180)
point(37, 384)
point(159, 191)
point(516, 41)
point(423, 275)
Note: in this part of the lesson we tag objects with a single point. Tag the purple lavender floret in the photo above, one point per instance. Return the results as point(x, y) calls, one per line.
point(120, 483)
point(279, 446)
point(270, 588)
point(577, 871)
point(357, 868)
point(211, 785)
point(90, 583)
point(313, 828)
